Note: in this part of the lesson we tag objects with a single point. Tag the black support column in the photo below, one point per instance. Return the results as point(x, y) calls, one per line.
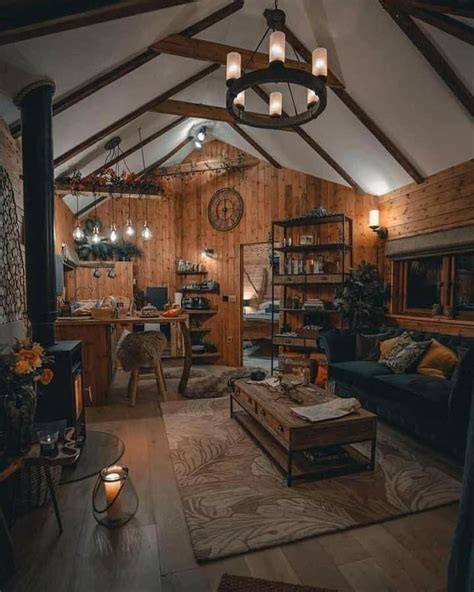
point(35, 102)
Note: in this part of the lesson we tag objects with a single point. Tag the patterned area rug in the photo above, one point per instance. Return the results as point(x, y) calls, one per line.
point(236, 501)
point(243, 584)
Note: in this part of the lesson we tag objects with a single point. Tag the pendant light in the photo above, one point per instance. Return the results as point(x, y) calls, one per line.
point(77, 233)
point(113, 236)
point(129, 229)
point(95, 239)
point(147, 234)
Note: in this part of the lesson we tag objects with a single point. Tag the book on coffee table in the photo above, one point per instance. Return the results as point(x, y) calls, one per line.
point(330, 410)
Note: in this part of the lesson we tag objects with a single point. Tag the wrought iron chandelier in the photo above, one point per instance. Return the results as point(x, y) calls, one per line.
point(238, 82)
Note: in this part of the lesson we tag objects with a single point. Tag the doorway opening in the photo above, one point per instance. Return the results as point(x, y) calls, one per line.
point(257, 305)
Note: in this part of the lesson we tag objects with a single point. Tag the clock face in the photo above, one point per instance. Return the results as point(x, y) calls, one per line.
point(225, 209)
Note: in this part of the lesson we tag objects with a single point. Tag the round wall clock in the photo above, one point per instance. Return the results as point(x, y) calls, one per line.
point(225, 209)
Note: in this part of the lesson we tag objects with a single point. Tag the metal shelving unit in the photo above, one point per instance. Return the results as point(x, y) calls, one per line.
point(308, 282)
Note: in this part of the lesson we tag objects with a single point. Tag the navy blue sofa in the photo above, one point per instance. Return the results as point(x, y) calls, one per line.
point(425, 406)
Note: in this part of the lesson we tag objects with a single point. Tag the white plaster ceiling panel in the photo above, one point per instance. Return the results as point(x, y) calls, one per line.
point(73, 56)
point(387, 75)
point(118, 99)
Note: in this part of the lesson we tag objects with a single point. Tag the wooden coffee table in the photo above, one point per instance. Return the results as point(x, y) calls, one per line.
point(265, 414)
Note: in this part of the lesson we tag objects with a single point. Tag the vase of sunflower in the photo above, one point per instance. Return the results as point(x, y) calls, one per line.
point(21, 370)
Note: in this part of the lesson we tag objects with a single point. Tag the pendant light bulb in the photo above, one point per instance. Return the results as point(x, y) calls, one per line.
point(320, 62)
point(239, 100)
point(197, 144)
point(78, 233)
point(113, 234)
point(201, 135)
point(129, 229)
point(95, 236)
point(146, 232)
point(276, 104)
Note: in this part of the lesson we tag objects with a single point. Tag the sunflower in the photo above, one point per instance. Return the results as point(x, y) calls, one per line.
point(30, 356)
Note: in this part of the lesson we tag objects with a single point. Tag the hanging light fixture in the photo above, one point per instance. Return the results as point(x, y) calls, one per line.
point(76, 178)
point(147, 234)
point(95, 238)
point(113, 236)
point(201, 135)
point(238, 81)
point(129, 229)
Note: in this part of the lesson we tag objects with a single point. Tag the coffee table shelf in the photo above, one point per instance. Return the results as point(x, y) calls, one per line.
point(285, 438)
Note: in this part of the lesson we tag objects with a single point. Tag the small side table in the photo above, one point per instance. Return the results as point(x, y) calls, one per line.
point(68, 453)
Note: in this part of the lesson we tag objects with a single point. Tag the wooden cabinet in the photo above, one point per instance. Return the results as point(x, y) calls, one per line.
point(96, 358)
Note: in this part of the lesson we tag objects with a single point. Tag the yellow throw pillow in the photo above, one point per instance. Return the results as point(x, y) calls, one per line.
point(438, 361)
point(386, 347)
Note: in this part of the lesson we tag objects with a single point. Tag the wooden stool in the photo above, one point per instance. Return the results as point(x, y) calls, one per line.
point(143, 350)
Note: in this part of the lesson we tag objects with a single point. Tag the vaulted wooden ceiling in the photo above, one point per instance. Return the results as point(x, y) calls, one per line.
point(401, 81)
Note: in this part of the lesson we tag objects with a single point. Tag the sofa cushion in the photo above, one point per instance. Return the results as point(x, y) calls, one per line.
point(368, 346)
point(438, 361)
point(404, 357)
point(387, 346)
point(429, 389)
point(359, 373)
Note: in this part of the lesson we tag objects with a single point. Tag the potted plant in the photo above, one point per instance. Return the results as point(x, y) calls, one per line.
point(20, 372)
point(361, 298)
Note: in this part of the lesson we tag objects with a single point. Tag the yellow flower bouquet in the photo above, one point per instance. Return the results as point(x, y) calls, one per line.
point(21, 370)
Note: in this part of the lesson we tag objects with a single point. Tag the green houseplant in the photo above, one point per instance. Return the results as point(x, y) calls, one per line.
point(361, 298)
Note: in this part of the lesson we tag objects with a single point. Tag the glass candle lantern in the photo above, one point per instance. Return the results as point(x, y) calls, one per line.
point(114, 499)
point(48, 442)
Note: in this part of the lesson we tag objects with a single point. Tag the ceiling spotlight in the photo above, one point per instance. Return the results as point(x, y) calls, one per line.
point(201, 135)
point(197, 144)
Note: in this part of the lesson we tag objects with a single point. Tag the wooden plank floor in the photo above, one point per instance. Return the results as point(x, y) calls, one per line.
point(154, 554)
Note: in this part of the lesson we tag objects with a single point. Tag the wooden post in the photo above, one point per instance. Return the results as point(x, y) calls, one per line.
point(35, 102)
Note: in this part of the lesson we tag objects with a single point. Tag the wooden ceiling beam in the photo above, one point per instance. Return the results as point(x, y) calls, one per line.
point(360, 113)
point(204, 166)
point(138, 146)
point(198, 110)
point(111, 75)
point(209, 51)
point(464, 9)
point(441, 21)
point(166, 157)
point(314, 145)
point(431, 54)
point(22, 21)
point(110, 129)
point(255, 145)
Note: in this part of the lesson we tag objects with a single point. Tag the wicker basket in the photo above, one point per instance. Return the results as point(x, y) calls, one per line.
point(33, 489)
point(102, 314)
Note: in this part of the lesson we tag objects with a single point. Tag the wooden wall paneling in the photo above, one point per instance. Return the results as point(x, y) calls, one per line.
point(96, 288)
point(445, 200)
point(64, 222)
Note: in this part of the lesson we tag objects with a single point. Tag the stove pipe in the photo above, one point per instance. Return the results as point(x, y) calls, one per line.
point(35, 103)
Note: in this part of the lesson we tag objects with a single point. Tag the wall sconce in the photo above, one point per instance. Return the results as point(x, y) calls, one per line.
point(114, 499)
point(374, 223)
point(208, 252)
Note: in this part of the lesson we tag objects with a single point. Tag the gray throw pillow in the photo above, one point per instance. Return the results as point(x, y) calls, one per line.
point(368, 346)
point(404, 356)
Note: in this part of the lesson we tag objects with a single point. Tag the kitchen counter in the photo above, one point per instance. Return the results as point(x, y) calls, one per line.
point(99, 338)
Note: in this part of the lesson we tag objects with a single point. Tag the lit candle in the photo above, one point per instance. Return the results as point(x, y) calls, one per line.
point(320, 62)
point(276, 102)
point(374, 219)
point(277, 47)
point(239, 100)
point(112, 485)
point(233, 65)
point(312, 98)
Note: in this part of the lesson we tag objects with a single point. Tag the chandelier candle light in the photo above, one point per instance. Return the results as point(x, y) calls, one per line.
point(238, 81)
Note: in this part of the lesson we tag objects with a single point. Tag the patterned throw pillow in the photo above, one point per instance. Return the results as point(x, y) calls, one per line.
point(403, 357)
point(388, 345)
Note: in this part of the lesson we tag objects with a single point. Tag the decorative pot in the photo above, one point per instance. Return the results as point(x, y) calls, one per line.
point(17, 413)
